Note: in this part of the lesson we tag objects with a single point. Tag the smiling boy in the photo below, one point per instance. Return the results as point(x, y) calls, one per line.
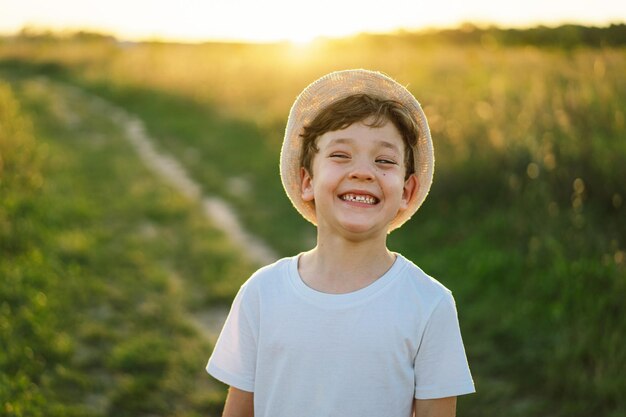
point(348, 328)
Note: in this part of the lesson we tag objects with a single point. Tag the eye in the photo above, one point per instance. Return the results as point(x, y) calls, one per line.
point(340, 155)
point(386, 161)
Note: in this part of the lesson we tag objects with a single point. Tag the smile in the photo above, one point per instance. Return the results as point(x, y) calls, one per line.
point(358, 198)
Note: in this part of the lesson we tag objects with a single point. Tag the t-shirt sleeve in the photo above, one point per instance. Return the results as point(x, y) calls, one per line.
point(233, 360)
point(441, 368)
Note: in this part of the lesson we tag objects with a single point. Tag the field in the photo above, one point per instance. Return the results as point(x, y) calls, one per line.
point(106, 268)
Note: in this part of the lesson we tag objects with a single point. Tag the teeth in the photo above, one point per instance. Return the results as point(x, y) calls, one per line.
point(359, 198)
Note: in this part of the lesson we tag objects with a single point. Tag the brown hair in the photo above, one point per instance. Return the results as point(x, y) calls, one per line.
point(356, 108)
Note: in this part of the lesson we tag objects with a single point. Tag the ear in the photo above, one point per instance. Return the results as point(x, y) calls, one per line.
point(306, 185)
point(411, 186)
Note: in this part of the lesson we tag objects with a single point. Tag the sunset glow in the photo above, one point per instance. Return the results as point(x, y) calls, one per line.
point(275, 20)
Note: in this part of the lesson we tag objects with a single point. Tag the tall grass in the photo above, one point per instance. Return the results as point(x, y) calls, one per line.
point(525, 220)
point(101, 266)
point(23, 304)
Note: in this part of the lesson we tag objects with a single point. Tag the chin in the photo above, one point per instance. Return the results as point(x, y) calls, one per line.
point(358, 232)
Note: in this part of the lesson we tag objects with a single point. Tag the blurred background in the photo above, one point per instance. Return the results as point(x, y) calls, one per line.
point(139, 188)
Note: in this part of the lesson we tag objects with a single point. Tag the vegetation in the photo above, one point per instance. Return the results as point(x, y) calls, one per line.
point(564, 36)
point(525, 220)
point(93, 315)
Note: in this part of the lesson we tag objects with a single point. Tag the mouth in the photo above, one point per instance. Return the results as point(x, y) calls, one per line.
point(359, 198)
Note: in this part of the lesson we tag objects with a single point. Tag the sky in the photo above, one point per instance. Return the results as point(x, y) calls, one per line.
point(293, 20)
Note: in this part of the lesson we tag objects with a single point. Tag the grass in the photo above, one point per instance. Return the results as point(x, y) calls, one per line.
point(93, 322)
point(524, 221)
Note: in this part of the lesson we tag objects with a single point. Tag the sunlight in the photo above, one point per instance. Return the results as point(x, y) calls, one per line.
point(282, 20)
point(191, 24)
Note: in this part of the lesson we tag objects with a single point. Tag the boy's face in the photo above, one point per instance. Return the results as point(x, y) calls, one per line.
point(358, 184)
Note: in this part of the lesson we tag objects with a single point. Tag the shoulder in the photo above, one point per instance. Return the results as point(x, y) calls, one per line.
point(263, 285)
point(267, 273)
point(418, 280)
point(268, 278)
point(421, 290)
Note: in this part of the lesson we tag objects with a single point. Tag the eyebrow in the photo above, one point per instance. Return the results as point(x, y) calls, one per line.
point(382, 143)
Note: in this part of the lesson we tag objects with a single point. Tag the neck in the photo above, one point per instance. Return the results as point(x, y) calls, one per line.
point(337, 265)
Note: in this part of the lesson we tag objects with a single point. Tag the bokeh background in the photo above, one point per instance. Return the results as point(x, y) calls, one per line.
point(139, 188)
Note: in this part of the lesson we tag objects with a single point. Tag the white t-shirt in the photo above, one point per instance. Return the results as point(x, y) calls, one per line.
point(366, 353)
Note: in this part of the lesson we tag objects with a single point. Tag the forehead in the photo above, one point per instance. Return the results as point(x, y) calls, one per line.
point(359, 133)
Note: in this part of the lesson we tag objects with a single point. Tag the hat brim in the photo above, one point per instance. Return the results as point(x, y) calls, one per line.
point(336, 86)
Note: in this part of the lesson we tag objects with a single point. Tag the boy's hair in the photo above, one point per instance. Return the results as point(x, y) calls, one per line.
point(357, 108)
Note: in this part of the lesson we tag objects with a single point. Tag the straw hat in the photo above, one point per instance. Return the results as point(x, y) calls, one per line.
point(333, 87)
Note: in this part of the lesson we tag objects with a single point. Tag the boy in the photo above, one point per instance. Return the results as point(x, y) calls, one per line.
point(347, 328)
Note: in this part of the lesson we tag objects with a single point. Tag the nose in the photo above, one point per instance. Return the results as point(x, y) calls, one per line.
point(361, 171)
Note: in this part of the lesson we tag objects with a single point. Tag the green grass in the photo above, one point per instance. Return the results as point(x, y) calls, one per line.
point(92, 321)
point(220, 152)
point(525, 220)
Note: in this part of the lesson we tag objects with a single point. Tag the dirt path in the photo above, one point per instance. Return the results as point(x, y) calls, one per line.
point(210, 320)
point(216, 209)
